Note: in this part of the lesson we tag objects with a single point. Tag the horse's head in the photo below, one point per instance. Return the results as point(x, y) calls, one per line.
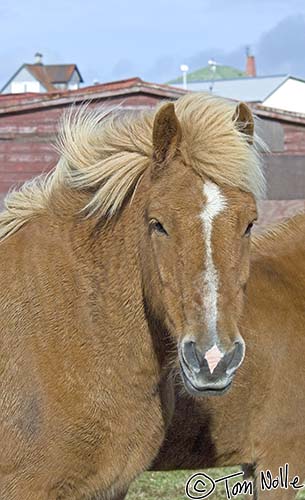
point(198, 233)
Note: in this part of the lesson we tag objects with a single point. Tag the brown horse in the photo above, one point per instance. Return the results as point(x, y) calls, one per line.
point(138, 238)
point(261, 419)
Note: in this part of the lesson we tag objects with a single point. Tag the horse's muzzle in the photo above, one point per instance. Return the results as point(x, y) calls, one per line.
point(207, 373)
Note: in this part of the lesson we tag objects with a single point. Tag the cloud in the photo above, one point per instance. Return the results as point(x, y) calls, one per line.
point(279, 50)
point(282, 49)
point(124, 68)
point(119, 39)
point(163, 69)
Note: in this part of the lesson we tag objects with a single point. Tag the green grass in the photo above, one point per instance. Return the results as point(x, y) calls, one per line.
point(170, 486)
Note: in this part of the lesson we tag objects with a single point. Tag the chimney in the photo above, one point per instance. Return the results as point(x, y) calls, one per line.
point(38, 58)
point(250, 64)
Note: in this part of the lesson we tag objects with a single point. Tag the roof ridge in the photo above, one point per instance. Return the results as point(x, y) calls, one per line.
point(47, 65)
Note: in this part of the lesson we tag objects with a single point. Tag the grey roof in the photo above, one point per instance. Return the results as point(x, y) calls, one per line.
point(251, 89)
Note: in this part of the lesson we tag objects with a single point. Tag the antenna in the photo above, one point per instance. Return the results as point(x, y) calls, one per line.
point(213, 65)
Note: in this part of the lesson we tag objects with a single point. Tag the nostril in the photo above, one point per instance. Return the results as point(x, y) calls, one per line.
point(235, 357)
point(229, 357)
point(191, 356)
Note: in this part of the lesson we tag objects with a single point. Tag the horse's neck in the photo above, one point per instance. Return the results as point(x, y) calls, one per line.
point(87, 276)
point(109, 252)
point(276, 286)
point(113, 280)
point(112, 276)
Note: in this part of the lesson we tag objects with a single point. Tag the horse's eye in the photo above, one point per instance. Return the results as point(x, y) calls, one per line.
point(248, 230)
point(157, 227)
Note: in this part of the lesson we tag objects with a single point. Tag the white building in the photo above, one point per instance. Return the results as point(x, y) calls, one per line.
point(281, 92)
point(41, 77)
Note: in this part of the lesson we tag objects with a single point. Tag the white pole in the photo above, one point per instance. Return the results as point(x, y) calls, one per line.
point(184, 68)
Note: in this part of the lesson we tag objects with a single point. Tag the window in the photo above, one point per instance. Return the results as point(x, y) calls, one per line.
point(62, 86)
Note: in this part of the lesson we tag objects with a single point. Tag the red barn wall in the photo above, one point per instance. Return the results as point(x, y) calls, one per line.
point(27, 139)
point(26, 145)
point(294, 142)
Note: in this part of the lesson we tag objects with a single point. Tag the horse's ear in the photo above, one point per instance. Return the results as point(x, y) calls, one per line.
point(244, 121)
point(166, 134)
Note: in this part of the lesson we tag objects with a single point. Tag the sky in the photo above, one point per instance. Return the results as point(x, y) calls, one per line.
point(116, 39)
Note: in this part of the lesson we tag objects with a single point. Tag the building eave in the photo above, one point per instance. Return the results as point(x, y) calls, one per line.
point(278, 114)
point(64, 98)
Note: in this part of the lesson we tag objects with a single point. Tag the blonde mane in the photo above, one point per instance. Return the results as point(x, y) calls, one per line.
point(107, 152)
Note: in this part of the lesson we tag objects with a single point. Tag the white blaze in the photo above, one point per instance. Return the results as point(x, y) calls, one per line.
point(215, 203)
